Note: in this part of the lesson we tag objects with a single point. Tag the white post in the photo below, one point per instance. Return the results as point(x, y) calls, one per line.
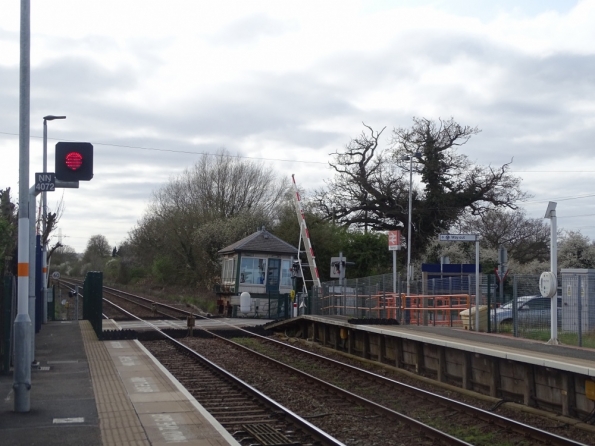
point(551, 214)
point(409, 228)
point(32, 269)
point(395, 272)
point(22, 323)
point(477, 283)
point(44, 199)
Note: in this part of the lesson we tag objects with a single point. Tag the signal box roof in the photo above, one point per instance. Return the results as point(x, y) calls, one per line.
point(261, 241)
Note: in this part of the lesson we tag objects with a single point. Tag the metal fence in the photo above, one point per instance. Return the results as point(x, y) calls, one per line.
point(436, 302)
point(576, 308)
point(515, 308)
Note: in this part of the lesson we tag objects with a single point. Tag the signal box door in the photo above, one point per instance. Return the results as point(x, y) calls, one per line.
point(273, 274)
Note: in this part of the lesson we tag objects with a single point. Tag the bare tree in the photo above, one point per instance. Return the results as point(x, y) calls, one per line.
point(218, 188)
point(367, 191)
point(526, 239)
point(98, 245)
point(52, 220)
point(370, 189)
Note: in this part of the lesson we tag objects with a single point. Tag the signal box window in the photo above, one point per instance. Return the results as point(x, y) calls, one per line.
point(286, 273)
point(252, 270)
point(229, 271)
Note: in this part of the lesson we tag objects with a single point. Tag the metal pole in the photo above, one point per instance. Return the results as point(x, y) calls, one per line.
point(22, 323)
point(477, 283)
point(342, 281)
point(395, 272)
point(409, 228)
point(579, 308)
point(515, 307)
point(554, 270)
point(44, 266)
point(32, 269)
point(551, 214)
point(501, 286)
point(44, 260)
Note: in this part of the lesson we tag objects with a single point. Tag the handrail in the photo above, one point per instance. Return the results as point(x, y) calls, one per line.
point(417, 309)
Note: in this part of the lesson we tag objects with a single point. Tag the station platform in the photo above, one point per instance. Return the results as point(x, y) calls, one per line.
point(562, 357)
point(89, 392)
point(556, 380)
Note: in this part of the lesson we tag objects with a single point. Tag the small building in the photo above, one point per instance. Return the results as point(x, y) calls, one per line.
point(260, 264)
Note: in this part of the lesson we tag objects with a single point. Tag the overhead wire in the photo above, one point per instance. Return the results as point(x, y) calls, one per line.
point(323, 162)
point(187, 152)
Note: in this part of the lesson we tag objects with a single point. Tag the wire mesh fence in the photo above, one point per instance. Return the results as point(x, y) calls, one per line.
point(514, 307)
point(435, 302)
point(576, 311)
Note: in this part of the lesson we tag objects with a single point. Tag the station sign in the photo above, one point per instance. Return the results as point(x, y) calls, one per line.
point(457, 237)
point(394, 240)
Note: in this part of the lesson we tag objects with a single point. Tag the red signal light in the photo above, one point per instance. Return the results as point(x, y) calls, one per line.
point(74, 160)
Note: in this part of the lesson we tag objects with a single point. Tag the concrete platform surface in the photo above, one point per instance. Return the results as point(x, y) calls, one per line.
point(63, 409)
point(88, 392)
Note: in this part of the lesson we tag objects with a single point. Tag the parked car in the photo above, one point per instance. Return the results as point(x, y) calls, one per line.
point(532, 312)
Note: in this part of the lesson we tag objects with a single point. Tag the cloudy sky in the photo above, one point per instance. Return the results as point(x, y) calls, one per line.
point(154, 84)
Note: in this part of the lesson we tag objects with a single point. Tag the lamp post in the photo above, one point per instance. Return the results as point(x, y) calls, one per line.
point(551, 214)
point(44, 265)
point(417, 155)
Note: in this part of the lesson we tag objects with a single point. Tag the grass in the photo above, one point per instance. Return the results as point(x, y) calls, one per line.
point(564, 337)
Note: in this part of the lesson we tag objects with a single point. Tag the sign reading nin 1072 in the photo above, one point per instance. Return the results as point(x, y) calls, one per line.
point(458, 237)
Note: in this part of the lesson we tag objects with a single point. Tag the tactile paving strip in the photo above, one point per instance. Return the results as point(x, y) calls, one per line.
point(118, 421)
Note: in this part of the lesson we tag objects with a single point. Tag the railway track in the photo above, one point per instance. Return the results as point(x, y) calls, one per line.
point(156, 308)
point(345, 417)
point(353, 405)
point(241, 417)
point(246, 413)
point(140, 306)
point(249, 415)
point(394, 403)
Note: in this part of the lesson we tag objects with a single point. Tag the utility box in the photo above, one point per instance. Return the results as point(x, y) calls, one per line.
point(468, 318)
point(578, 306)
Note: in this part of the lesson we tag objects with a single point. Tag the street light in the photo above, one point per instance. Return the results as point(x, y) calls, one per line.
point(410, 159)
point(44, 260)
point(551, 214)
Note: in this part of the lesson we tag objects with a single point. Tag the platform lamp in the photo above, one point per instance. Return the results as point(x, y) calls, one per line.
point(44, 265)
point(550, 213)
point(410, 159)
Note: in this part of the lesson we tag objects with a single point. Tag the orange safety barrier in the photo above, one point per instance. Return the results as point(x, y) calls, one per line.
point(386, 302)
point(435, 310)
point(442, 310)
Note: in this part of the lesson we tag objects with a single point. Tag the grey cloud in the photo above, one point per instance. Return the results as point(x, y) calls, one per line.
point(249, 29)
point(79, 78)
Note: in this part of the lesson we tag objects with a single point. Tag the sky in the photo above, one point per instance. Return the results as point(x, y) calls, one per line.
point(154, 85)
